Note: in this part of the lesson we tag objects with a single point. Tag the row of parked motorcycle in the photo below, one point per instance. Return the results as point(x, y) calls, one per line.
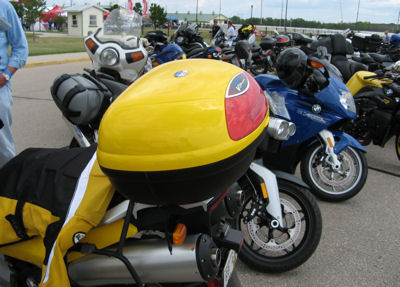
point(313, 123)
point(213, 143)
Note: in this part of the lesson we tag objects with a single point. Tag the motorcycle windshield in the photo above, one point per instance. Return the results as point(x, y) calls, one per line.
point(121, 27)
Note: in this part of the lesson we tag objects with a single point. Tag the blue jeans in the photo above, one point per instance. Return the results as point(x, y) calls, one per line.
point(7, 150)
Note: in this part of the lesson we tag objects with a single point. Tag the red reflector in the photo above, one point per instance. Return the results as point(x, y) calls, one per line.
point(245, 106)
point(213, 283)
point(268, 53)
point(218, 201)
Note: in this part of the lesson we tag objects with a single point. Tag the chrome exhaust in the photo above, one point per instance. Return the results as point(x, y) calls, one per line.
point(196, 260)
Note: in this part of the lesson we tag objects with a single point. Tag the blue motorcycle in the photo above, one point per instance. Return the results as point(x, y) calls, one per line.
point(333, 163)
point(160, 51)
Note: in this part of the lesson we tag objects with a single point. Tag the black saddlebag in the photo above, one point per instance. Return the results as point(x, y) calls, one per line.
point(56, 195)
point(81, 98)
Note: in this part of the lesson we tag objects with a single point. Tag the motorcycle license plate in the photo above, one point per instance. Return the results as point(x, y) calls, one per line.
point(229, 266)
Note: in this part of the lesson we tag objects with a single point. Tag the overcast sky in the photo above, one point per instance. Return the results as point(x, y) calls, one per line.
point(383, 11)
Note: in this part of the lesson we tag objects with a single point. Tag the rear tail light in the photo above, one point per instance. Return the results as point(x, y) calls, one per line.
point(245, 106)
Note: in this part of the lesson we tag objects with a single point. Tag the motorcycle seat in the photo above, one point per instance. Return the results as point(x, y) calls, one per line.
point(195, 53)
point(340, 49)
point(347, 67)
point(380, 58)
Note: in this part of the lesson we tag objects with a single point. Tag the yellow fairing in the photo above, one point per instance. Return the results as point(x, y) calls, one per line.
point(168, 122)
point(357, 81)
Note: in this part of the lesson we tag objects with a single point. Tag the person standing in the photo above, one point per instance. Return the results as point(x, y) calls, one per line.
point(386, 40)
point(11, 34)
point(231, 31)
point(215, 28)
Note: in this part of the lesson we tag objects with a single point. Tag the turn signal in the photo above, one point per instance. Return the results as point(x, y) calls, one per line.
point(92, 46)
point(179, 234)
point(133, 57)
point(316, 65)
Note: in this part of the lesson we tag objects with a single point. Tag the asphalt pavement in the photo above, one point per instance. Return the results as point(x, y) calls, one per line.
point(360, 244)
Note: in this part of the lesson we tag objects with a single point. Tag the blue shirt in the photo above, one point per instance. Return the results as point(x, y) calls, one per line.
point(14, 37)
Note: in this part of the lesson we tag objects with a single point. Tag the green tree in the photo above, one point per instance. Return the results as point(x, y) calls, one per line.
point(33, 8)
point(236, 20)
point(112, 7)
point(138, 8)
point(157, 15)
point(59, 22)
point(19, 8)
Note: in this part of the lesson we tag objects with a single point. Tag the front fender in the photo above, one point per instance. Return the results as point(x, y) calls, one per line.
point(290, 177)
point(345, 141)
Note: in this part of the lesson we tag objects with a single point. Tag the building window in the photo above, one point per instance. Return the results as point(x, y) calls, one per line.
point(92, 21)
point(74, 21)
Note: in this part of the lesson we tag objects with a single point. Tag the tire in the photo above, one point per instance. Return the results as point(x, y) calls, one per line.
point(318, 174)
point(301, 212)
point(258, 70)
point(397, 146)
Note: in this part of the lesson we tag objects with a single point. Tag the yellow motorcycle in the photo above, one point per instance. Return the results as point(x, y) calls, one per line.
point(150, 204)
point(377, 98)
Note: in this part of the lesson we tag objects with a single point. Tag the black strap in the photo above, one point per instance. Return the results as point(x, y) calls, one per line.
point(100, 85)
point(17, 222)
point(58, 82)
point(68, 98)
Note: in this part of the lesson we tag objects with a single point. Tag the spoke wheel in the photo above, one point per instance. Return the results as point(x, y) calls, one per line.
point(330, 184)
point(276, 250)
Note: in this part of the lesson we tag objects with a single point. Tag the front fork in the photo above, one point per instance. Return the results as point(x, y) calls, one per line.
point(272, 192)
point(329, 143)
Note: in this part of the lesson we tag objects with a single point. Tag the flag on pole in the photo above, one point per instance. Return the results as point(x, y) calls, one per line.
point(130, 7)
point(145, 7)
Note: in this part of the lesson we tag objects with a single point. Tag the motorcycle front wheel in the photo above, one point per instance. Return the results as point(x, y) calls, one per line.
point(273, 250)
point(397, 146)
point(258, 69)
point(330, 184)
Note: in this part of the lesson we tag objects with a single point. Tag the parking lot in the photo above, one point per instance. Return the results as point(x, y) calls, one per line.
point(360, 244)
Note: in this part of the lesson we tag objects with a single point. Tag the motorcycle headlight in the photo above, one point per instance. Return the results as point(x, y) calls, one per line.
point(180, 40)
point(347, 101)
point(109, 57)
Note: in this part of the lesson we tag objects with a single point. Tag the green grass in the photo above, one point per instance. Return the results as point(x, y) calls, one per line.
point(50, 45)
point(58, 45)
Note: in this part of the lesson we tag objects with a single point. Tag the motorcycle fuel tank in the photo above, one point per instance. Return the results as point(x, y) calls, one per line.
point(183, 132)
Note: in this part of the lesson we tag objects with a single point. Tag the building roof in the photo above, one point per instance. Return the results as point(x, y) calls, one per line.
point(80, 8)
point(191, 17)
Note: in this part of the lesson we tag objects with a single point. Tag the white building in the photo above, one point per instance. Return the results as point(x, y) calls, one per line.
point(84, 19)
